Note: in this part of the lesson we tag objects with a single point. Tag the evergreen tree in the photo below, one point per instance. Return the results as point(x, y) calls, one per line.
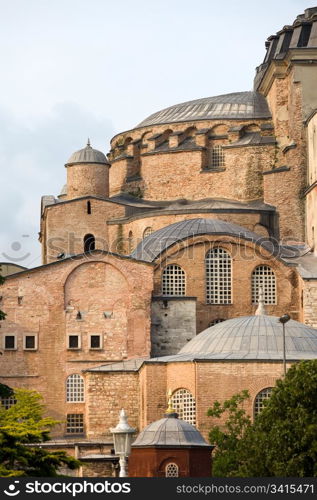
point(21, 426)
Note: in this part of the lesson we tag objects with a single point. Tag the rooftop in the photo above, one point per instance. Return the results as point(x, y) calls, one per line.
point(238, 105)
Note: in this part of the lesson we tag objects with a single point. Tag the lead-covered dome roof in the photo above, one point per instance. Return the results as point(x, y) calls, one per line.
point(257, 337)
point(159, 241)
point(238, 105)
point(170, 432)
point(87, 155)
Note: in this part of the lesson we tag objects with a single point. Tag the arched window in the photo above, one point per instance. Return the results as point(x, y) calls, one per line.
point(173, 280)
point(217, 157)
point(171, 470)
point(185, 405)
point(89, 243)
point(263, 276)
point(218, 276)
point(6, 403)
point(147, 231)
point(75, 389)
point(260, 398)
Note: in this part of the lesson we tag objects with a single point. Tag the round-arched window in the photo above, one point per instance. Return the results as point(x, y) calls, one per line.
point(264, 276)
point(262, 396)
point(171, 470)
point(218, 276)
point(89, 243)
point(147, 231)
point(75, 389)
point(185, 405)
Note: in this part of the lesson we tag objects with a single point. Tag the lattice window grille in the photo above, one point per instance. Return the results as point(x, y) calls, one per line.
point(217, 157)
point(147, 231)
point(75, 389)
point(173, 280)
point(260, 398)
point(264, 276)
point(171, 470)
point(185, 405)
point(75, 423)
point(218, 277)
point(7, 403)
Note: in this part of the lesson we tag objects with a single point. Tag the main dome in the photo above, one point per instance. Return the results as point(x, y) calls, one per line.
point(87, 155)
point(250, 338)
point(238, 105)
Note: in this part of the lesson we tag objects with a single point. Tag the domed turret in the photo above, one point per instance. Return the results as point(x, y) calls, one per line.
point(87, 173)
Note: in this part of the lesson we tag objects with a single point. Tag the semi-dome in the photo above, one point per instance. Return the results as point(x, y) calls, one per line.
point(159, 241)
point(258, 337)
point(87, 155)
point(170, 432)
point(235, 106)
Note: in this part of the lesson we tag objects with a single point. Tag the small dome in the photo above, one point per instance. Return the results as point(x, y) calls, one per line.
point(238, 105)
point(88, 155)
point(252, 337)
point(170, 432)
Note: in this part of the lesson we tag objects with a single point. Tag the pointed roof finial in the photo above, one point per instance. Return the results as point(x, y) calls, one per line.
point(88, 143)
point(170, 410)
point(261, 307)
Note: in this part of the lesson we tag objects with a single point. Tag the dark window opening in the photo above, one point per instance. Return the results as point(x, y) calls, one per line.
point(73, 342)
point(304, 35)
point(9, 342)
point(30, 342)
point(88, 207)
point(89, 243)
point(75, 423)
point(95, 342)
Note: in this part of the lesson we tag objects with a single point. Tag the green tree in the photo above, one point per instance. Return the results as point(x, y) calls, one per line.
point(227, 437)
point(21, 426)
point(283, 439)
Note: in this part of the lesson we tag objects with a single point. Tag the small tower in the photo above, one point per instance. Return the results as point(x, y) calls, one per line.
point(170, 447)
point(87, 173)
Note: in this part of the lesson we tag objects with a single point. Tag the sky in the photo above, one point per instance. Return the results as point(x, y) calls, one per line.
point(73, 69)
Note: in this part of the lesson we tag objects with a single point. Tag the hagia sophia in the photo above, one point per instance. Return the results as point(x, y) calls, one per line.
point(167, 262)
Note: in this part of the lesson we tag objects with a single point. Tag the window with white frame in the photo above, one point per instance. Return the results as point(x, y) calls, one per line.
point(185, 405)
point(10, 342)
point(173, 280)
point(217, 157)
point(147, 231)
point(75, 389)
point(264, 276)
point(73, 341)
point(95, 341)
point(75, 423)
point(262, 396)
point(218, 276)
point(171, 470)
point(30, 342)
point(7, 403)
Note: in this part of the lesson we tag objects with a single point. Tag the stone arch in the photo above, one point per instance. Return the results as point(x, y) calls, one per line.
point(96, 285)
point(219, 129)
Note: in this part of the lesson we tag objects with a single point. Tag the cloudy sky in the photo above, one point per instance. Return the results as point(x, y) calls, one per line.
point(76, 68)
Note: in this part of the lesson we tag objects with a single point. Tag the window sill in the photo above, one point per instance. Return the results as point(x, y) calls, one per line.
point(212, 170)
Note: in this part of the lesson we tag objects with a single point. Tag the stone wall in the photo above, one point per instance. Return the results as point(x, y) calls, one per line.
point(173, 324)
